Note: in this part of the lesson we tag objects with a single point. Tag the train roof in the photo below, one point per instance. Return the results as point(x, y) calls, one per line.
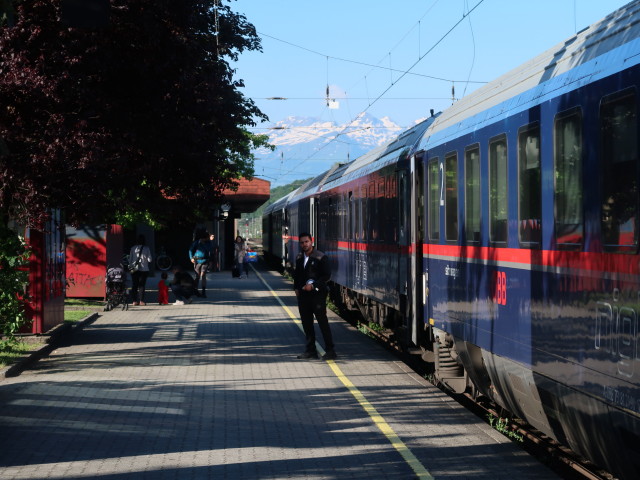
point(402, 145)
point(312, 185)
point(280, 203)
point(565, 67)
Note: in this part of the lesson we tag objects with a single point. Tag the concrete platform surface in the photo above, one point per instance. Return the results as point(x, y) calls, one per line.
point(213, 390)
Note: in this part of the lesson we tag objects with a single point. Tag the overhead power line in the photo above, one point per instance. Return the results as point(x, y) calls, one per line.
point(404, 72)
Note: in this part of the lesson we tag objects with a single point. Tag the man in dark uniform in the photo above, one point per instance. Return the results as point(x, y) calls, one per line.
point(310, 279)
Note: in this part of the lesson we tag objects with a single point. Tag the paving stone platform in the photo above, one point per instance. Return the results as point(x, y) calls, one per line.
point(213, 390)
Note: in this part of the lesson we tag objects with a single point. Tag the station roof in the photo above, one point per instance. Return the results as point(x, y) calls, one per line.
point(251, 194)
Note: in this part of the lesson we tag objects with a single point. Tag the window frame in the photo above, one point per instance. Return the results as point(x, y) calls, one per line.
point(561, 116)
point(616, 97)
point(467, 216)
point(493, 140)
point(534, 224)
point(448, 197)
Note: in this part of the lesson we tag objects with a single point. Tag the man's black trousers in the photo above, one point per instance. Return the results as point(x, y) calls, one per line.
point(312, 304)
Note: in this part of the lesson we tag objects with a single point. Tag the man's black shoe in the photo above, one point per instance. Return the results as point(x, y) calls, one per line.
point(308, 355)
point(330, 355)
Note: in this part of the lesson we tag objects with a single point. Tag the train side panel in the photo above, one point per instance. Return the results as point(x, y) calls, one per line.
point(540, 292)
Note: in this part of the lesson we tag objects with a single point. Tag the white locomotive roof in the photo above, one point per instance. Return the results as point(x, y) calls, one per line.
point(566, 66)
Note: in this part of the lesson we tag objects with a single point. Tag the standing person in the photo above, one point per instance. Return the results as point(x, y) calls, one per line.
point(163, 290)
point(139, 259)
point(310, 279)
point(200, 254)
point(240, 250)
point(215, 250)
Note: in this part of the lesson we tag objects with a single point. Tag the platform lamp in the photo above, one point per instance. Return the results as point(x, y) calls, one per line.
point(225, 208)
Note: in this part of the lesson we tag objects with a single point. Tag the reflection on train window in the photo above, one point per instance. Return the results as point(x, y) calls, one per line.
point(498, 189)
point(353, 206)
point(619, 216)
point(529, 199)
point(420, 233)
point(372, 233)
point(404, 206)
point(434, 200)
point(392, 195)
point(568, 178)
point(472, 195)
point(364, 219)
point(382, 214)
point(451, 196)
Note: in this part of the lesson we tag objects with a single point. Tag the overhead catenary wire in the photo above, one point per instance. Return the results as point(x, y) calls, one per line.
point(357, 62)
point(404, 73)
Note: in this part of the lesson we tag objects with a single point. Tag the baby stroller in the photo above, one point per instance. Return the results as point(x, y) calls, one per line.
point(116, 289)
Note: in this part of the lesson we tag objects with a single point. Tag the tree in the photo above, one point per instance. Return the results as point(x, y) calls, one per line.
point(140, 117)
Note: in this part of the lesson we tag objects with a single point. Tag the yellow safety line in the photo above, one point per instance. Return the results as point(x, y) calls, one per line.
point(379, 421)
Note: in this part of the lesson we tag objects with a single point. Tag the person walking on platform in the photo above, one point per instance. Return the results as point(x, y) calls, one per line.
point(139, 260)
point(200, 254)
point(239, 251)
point(310, 279)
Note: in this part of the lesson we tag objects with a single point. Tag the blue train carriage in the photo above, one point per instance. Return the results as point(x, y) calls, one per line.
point(363, 225)
point(275, 231)
point(530, 267)
point(304, 212)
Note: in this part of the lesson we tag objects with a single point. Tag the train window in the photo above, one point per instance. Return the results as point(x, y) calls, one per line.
point(364, 214)
point(568, 177)
point(529, 198)
point(352, 215)
point(498, 190)
point(381, 209)
point(472, 194)
point(619, 129)
point(434, 200)
point(451, 196)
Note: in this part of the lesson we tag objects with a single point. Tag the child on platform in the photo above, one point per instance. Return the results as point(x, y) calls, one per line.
point(163, 290)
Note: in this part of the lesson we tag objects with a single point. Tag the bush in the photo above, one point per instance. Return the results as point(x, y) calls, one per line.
point(14, 277)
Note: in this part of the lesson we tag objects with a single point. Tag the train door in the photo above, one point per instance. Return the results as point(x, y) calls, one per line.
point(351, 214)
point(433, 202)
point(418, 279)
point(404, 239)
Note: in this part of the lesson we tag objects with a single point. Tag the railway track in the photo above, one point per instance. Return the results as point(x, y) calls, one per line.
point(560, 459)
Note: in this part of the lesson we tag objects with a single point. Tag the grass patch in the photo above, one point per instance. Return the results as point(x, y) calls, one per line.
point(12, 351)
point(84, 303)
point(75, 315)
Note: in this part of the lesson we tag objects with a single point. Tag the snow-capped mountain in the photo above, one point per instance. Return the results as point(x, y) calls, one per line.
point(306, 147)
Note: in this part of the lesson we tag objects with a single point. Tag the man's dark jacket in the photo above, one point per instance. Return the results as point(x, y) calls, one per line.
point(317, 269)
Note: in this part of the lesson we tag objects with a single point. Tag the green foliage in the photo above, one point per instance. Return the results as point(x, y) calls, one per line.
point(501, 425)
point(142, 115)
point(363, 329)
point(14, 258)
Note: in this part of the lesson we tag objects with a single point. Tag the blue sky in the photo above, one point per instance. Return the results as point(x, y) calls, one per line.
point(362, 49)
